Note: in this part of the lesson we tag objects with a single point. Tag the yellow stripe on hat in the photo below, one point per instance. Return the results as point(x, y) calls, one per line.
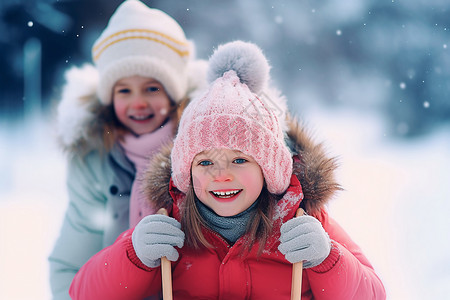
point(139, 30)
point(101, 47)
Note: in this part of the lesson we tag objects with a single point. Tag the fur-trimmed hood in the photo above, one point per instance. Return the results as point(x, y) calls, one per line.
point(78, 122)
point(314, 169)
point(79, 118)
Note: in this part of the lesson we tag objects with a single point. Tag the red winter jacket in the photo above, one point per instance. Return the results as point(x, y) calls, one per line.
point(222, 272)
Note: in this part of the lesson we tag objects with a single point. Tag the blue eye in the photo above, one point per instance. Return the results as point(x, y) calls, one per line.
point(240, 160)
point(123, 91)
point(205, 163)
point(153, 89)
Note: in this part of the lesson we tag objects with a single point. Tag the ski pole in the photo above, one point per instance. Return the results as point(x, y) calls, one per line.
point(166, 269)
point(297, 269)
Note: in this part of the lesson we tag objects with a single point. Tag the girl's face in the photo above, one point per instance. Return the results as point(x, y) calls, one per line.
point(141, 104)
point(226, 181)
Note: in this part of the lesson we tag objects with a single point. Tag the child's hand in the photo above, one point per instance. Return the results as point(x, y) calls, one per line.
point(304, 239)
point(156, 236)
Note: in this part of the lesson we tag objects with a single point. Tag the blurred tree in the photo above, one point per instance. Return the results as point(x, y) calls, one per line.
point(64, 29)
point(390, 57)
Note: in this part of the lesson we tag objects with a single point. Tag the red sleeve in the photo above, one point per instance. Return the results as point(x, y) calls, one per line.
point(346, 273)
point(115, 273)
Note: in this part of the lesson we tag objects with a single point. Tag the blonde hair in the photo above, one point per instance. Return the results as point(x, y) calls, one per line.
point(112, 128)
point(258, 229)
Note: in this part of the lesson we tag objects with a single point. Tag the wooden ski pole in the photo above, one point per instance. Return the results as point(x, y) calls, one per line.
point(297, 269)
point(166, 269)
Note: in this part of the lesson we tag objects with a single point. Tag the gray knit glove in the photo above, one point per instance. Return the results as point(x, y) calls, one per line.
point(156, 236)
point(304, 239)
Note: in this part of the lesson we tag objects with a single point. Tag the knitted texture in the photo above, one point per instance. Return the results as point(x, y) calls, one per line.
point(140, 150)
point(231, 228)
point(142, 41)
point(231, 116)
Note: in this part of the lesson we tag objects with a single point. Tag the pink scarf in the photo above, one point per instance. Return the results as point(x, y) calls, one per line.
point(140, 150)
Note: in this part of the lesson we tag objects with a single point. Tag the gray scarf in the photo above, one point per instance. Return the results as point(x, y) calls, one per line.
point(231, 228)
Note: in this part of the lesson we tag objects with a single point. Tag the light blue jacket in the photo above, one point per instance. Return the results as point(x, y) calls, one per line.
point(98, 211)
point(99, 182)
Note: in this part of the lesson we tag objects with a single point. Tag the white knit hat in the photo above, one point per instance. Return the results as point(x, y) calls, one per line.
point(233, 114)
point(142, 41)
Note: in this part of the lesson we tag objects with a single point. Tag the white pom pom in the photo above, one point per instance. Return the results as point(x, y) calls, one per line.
point(246, 59)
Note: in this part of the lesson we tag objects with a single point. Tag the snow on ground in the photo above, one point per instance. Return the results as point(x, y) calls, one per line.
point(32, 204)
point(395, 204)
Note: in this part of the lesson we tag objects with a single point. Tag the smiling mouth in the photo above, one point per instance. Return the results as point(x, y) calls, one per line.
point(225, 195)
point(142, 118)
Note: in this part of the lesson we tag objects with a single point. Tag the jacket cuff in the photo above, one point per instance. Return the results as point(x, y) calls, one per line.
point(131, 254)
point(330, 261)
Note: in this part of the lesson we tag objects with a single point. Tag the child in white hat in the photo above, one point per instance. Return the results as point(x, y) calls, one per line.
point(232, 188)
point(112, 118)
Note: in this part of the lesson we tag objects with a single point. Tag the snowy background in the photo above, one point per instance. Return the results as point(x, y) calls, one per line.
point(370, 78)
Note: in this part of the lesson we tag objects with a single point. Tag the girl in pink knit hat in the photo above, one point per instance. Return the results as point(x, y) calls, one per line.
point(114, 115)
point(232, 187)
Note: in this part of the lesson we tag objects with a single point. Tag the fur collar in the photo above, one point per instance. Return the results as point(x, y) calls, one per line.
point(78, 125)
point(314, 169)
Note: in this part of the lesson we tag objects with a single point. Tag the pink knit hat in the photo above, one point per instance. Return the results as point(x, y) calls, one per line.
point(233, 114)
